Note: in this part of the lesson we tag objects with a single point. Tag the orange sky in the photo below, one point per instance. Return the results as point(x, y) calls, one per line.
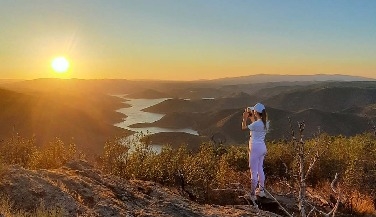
point(187, 40)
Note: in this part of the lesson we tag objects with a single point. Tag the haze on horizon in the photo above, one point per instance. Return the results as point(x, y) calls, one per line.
point(187, 40)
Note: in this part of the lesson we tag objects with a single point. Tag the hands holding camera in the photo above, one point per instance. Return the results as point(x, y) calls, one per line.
point(248, 113)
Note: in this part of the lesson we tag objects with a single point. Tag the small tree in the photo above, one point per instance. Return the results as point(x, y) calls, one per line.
point(304, 168)
point(17, 150)
point(114, 157)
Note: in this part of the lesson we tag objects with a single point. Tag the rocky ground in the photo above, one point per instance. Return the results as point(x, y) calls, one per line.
point(81, 190)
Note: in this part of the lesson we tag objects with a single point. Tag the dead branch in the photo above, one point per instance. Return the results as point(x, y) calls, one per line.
point(335, 189)
point(284, 210)
point(313, 162)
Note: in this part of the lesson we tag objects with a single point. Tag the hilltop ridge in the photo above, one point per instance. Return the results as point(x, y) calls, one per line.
point(79, 189)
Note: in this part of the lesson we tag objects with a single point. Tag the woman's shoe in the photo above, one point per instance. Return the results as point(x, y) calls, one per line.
point(251, 196)
point(260, 193)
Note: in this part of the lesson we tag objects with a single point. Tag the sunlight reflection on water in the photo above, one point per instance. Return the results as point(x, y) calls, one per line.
point(135, 115)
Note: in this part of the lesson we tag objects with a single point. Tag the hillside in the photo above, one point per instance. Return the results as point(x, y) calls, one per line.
point(330, 99)
point(233, 100)
point(82, 109)
point(263, 78)
point(81, 190)
point(148, 94)
point(334, 108)
point(83, 119)
point(319, 121)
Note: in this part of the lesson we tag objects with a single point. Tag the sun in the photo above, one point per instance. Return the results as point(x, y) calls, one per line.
point(60, 64)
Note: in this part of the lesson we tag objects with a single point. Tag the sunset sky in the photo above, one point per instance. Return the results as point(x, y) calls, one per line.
point(187, 39)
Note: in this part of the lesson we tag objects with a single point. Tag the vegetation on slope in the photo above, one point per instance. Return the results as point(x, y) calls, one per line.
point(200, 174)
point(216, 167)
point(79, 189)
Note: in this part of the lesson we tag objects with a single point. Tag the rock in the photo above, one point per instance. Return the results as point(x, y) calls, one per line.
point(81, 190)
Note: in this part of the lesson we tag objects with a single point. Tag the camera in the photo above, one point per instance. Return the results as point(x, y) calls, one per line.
point(249, 110)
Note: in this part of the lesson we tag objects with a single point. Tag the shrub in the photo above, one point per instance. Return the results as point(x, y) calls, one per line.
point(165, 166)
point(53, 155)
point(200, 170)
point(17, 150)
point(354, 158)
point(24, 152)
point(213, 167)
point(232, 167)
point(279, 160)
point(139, 160)
point(115, 156)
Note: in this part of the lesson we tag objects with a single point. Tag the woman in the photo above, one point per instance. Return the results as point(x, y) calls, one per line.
point(257, 147)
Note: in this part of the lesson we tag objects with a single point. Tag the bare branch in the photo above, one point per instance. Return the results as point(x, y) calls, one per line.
point(317, 210)
point(313, 162)
point(337, 191)
point(333, 185)
point(284, 210)
point(286, 168)
point(310, 212)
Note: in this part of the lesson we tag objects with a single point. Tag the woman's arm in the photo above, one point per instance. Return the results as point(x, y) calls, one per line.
point(244, 121)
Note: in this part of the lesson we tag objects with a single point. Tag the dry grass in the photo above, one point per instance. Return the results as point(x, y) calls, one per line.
point(352, 200)
point(3, 169)
point(361, 204)
point(6, 209)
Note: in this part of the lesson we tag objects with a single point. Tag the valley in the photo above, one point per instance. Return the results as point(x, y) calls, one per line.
point(86, 112)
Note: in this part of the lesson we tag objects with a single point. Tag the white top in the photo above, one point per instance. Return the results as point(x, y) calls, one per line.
point(258, 131)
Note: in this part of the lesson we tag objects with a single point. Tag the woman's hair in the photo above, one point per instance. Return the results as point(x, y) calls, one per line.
point(264, 118)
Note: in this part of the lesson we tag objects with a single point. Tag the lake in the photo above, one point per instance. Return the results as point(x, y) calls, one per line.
point(135, 115)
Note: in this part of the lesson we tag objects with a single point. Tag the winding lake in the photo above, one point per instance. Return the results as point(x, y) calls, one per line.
point(135, 115)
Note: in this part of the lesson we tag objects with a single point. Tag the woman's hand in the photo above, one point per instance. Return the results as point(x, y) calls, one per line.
point(245, 115)
point(244, 121)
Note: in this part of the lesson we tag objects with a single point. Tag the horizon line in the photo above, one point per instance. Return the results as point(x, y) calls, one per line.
point(198, 80)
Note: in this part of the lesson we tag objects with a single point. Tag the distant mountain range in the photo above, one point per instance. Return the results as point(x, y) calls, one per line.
point(130, 86)
point(263, 78)
point(85, 109)
point(337, 108)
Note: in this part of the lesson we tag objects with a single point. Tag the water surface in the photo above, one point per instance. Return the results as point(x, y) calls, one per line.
point(135, 115)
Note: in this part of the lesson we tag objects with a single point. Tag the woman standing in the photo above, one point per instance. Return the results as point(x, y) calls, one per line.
point(257, 147)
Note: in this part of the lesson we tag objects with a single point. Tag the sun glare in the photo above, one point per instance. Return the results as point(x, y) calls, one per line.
point(60, 64)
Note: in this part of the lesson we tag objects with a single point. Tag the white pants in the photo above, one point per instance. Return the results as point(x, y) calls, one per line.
point(256, 164)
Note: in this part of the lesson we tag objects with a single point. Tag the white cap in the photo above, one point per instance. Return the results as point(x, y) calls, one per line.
point(259, 107)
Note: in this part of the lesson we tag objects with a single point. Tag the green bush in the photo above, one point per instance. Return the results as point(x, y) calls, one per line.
point(353, 158)
point(212, 167)
point(165, 166)
point(17, 150)
point(279, 160)
point(114, 157)
point(52, 155)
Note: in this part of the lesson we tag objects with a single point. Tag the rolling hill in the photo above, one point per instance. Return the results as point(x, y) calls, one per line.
point(263, 78)
point(82, 119)
point(334, 108)
point(83, 109)
point(331, 99)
